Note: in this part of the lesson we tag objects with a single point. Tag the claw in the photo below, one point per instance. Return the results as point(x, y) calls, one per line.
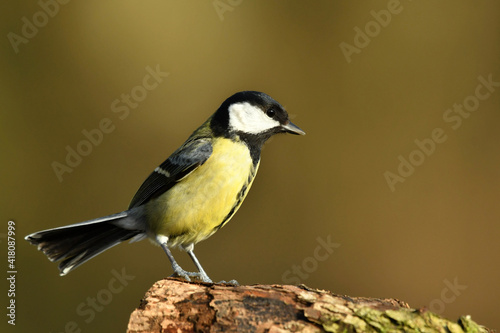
point(204, 278)
point(232, 282)
point(182, 274)
point(179, 272)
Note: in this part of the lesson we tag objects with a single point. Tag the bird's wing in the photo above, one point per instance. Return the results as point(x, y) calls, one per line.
point(181, 163)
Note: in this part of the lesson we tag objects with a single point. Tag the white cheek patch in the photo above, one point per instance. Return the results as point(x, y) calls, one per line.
point(251, 119)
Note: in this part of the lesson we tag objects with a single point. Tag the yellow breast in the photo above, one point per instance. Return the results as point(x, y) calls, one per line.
point(196, 206)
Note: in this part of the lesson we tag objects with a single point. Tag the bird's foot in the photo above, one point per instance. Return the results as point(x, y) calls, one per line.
point(179, 272)
point(232, 282)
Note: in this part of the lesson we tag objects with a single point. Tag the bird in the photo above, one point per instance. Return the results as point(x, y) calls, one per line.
point(188, 197)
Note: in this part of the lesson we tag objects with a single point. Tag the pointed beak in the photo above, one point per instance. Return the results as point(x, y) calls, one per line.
point(292, 128)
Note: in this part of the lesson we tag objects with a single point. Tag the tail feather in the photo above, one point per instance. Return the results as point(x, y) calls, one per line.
point(77, 243)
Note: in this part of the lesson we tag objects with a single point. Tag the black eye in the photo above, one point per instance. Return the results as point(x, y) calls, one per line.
point(270, 113)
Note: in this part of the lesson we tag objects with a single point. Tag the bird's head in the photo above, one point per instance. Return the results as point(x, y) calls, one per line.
point(254, 115)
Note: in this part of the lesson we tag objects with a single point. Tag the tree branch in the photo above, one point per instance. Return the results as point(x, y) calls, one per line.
point(173, 305)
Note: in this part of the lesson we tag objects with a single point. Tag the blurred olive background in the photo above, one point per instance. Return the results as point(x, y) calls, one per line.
point(440, 226)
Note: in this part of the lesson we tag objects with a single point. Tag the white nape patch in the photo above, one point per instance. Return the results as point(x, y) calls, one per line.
point(250, 119)
point(162, 172)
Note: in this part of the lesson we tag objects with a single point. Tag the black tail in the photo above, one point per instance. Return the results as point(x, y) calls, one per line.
point(76, 243)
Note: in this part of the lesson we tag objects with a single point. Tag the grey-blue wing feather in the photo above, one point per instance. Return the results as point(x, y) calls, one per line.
point(182, 162)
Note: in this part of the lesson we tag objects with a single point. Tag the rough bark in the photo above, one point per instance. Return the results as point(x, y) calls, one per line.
point(173, 305)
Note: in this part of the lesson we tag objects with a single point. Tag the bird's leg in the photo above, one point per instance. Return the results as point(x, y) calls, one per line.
point(203, 276)
point(178, 271)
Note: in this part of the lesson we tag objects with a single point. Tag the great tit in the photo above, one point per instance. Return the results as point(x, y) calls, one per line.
point(190, 196)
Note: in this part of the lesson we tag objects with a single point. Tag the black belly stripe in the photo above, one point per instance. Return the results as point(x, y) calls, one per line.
point(239, 200)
